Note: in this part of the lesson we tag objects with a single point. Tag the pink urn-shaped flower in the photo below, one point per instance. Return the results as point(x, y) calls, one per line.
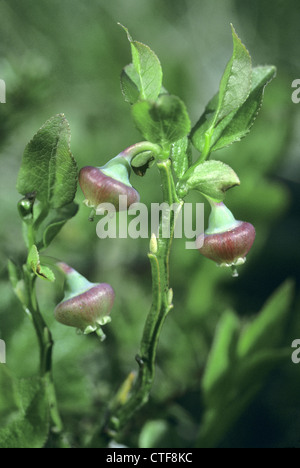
point(226, 241)
point(86, 306)
point(108, 183)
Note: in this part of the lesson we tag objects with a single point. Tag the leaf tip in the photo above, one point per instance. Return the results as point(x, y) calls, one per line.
point(233, 31)
point(273, 72)
point(237, 38)
point(126, 30)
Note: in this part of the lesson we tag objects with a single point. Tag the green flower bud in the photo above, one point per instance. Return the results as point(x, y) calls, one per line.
point(25, 207)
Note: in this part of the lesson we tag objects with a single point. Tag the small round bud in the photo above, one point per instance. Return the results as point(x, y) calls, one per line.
point(86, 306)
point(25, 206)
point(170, 296)
point(153, 244)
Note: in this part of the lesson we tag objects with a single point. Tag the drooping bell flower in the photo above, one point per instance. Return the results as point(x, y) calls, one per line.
point(86, 306)
point(226, 241)
point(106, 184)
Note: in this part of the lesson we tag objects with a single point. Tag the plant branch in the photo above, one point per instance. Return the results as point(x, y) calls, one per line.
point(23, 282)
point(120, 413)
point(46, 345)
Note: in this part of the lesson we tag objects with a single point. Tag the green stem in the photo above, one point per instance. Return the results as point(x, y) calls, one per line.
point(45, 345)
point(206, 150)
point(129, 153)
point(140, 147)
point(120, 412)
point(30, 236)
point(42, 331)
point(181, 185)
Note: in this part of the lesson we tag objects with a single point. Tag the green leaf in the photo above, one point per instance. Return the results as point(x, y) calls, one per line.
point(31, 426)
point(40, 270)
point(15, 273)
point(48, 167)
point(266, 330)
point(33, 258)
point(254, 369)
point(236, 81)
point(222, 352)
point(8, 402)
point(45, 273)
point(148, 70)
point(17, 280)
point(238, 123)
point(233, 91)
point(235, 392)
point(231, 384)
point(143, 161)
point(164, 121)
point(181, 156)
point(202, 128)
point(211, 178)
point(48, 229)
point(153, 433)
point(130, 84)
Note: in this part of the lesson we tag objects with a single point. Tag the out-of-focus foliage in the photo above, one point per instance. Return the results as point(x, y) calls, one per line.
point(224, 358)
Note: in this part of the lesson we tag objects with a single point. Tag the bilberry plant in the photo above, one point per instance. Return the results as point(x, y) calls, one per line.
point(48, 180)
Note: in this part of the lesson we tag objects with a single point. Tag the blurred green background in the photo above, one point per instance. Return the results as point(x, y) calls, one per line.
point(66, 56)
